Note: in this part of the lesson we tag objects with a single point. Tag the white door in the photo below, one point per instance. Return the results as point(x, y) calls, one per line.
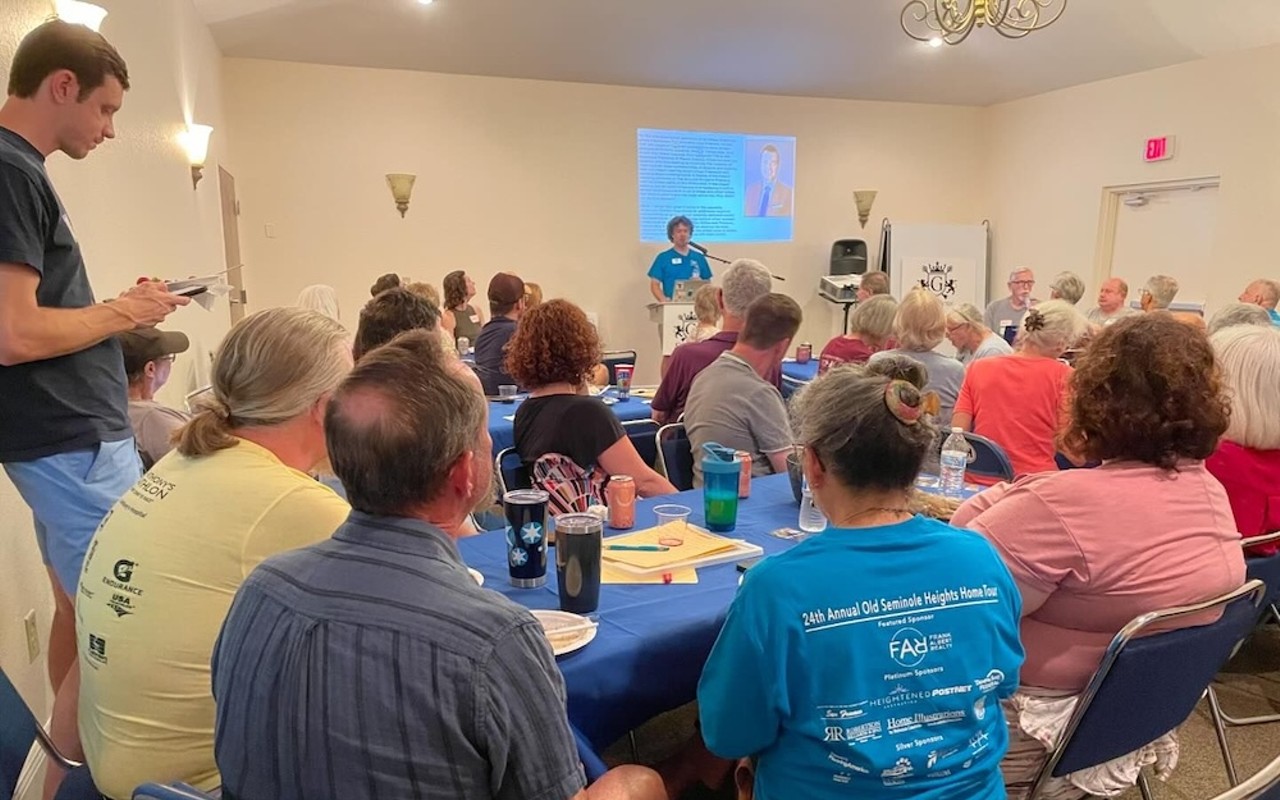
point(1171, 233)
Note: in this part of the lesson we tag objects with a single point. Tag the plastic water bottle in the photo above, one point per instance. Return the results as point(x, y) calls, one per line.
point(812, 520)
point(953, 462)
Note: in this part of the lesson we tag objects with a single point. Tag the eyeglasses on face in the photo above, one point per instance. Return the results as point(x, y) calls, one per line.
point(1027, 284)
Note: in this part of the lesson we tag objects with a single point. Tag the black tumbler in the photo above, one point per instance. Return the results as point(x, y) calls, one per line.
point(526, 511)
point(578, 546)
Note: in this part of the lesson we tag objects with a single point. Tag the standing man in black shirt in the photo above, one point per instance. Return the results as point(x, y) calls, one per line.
point(65, 439)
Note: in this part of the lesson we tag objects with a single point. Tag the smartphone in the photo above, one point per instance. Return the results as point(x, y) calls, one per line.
point(187, 291)
point(743, 566)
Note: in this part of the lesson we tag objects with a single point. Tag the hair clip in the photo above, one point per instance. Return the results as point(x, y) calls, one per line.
point(1035, 320)
point(903, 401)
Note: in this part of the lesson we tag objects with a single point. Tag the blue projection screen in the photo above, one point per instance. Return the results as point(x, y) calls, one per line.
point(736, 187)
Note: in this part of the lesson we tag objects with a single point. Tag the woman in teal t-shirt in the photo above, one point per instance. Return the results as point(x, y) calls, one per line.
point(870, 660)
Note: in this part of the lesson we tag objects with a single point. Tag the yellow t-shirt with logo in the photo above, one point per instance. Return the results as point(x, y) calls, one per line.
point(158, 581)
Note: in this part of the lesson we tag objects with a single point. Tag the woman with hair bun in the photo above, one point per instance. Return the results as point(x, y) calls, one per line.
point(850, 637)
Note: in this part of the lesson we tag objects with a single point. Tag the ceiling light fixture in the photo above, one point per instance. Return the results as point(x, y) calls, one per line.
point(80, 13)
point(951, 21)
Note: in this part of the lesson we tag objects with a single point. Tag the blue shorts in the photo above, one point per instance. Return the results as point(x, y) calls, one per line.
point(69, 494)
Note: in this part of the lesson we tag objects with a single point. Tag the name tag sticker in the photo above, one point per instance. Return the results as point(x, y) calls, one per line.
point(677, 260)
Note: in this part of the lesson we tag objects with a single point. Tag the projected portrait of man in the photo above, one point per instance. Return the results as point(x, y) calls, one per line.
point(768, 196)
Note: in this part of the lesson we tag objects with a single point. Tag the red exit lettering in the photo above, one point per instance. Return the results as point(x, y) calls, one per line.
point(1159, 149)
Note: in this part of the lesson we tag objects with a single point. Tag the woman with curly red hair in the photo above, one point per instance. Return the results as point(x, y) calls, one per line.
point(552, 353)
point(1090, 549)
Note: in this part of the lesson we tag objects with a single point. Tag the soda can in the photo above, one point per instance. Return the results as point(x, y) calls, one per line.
point(578, 552)
point(526, 512)
point(744, 477)
point(622, 375)
point(804, 352)
point(621, 496)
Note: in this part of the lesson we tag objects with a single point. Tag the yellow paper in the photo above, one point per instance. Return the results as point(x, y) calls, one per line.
point(611, 574)
point(697, 543)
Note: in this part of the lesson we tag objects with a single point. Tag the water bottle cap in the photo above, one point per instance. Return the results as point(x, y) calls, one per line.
point(957, 429)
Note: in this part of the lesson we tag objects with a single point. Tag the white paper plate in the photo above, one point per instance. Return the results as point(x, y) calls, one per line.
point(552, 620)
point(476, 576)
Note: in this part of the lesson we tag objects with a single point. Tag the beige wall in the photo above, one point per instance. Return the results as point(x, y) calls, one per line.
point(539, 178)
point(1051, 156)
point(135, 214)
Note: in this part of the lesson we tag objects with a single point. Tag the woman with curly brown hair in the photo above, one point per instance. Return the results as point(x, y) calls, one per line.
point(1090, 549)
point(552, 353)
point(458, 291)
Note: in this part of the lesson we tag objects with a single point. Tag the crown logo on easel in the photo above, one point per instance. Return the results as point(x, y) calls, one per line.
point(937, 279)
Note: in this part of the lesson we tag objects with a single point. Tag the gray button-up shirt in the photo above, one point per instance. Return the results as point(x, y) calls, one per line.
point(372, 666)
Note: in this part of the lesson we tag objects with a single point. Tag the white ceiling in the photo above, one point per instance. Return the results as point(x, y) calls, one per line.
point(818, 48)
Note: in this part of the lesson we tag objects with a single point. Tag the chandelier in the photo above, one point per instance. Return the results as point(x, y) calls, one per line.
point(951, 21)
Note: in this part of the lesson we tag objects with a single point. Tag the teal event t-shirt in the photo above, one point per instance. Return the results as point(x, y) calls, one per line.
point(669, 266)
point(869, 663)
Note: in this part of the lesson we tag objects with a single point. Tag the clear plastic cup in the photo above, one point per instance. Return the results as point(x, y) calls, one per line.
point(672, 513)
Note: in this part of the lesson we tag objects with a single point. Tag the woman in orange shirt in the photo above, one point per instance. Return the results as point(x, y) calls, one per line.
point(1017, 400)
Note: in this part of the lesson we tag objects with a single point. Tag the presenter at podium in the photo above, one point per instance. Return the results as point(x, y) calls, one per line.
point(679, 263)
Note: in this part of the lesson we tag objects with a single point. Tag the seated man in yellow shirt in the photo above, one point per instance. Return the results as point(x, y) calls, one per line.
point(168, 559)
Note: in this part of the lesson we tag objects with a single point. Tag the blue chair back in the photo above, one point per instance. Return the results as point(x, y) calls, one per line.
point(612, 358)
point(511, 471)
point(644, 436)
point(1148, 686)
point(676, 455)
point(1263, 568)
point(591, 763)
point(989, 458)
point(17, 734)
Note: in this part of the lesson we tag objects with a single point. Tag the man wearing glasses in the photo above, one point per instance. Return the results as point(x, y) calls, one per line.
point(1008, 311)
point(148, 360)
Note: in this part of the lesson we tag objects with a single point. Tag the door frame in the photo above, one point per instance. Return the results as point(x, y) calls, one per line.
point(1108, 217)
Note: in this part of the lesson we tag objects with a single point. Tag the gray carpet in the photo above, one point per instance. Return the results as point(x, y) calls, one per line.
point(1249, 686)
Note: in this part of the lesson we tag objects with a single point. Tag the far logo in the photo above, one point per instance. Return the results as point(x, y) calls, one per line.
point(908, 647)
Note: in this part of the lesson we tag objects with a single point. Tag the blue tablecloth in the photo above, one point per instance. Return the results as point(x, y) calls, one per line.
point(801, 373)
point(502, 430)
point(653, 639)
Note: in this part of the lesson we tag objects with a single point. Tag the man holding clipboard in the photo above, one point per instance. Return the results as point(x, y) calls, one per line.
point(679, 263)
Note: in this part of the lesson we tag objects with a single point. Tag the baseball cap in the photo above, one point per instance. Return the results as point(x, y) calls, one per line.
point(505, 289)
point(150, 344)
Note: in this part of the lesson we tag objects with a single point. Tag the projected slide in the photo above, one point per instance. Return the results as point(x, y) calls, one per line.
point(736, 187)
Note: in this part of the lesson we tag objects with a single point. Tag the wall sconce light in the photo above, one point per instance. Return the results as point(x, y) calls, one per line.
point(863, 200)
point(401, 188)
point(80, 13)
point(195, 140)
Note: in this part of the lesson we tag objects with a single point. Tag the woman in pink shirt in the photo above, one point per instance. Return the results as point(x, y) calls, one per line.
point(1017, 400)
point(870, 331)
point(1091, 549)
point(1247, 460)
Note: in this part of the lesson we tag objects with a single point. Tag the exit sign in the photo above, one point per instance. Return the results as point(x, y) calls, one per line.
point(1159, 149)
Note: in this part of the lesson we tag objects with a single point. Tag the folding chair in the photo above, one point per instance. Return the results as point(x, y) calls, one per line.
point(675, 455)
point(612, 358)
point(511, 471)
point(644, 436)
point(1267, 570)
point(989, 458)
point(18, 731)
point(1265, 785)
point(1147, 686)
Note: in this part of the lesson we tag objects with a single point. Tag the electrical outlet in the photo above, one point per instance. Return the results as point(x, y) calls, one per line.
point(33, 637)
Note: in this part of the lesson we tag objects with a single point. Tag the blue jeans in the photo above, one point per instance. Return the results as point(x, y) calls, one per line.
point(69, 494)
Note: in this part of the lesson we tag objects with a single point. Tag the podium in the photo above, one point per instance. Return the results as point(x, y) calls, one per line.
point(676, 323)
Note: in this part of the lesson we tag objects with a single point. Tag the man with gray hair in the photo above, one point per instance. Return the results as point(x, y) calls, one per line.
point(1264, 293)
point(971, 339)
point(383, 622)
point(1009, 311)
point(1233, 314)
point(873, 283)
point(744, 282)
point(1066, 286)
point(1158, 293)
